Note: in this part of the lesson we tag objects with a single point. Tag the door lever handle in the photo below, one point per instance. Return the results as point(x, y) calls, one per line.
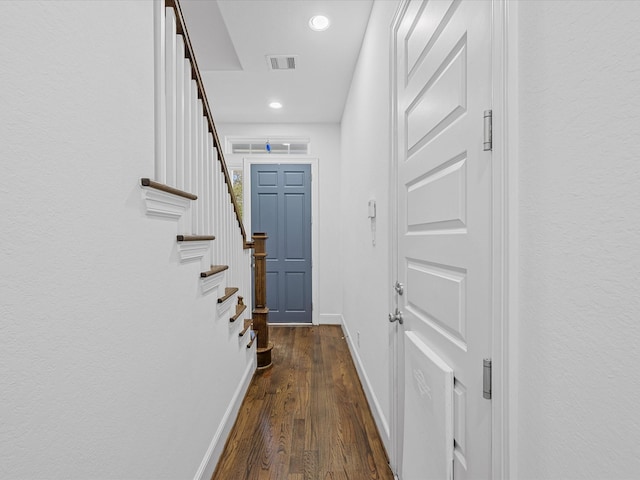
point(396, 317)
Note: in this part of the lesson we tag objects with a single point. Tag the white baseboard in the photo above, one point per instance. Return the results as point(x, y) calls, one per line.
point(210, 460)
point(330, 319)
point(378, 415)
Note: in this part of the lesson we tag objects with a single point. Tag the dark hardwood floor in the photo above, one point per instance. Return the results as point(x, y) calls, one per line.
point(305, 418)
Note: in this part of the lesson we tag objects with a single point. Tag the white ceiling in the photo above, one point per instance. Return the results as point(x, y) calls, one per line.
point(232, 38)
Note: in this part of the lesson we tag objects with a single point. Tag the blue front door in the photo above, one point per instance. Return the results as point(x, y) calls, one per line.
point(281, 207)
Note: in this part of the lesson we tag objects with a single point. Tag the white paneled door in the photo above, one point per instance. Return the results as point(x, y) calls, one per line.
point(442, 64)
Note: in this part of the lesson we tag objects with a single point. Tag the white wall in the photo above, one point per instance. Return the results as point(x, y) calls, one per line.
point(325, 146)
point(579, 245)
point(112, 364)
point(365, 168)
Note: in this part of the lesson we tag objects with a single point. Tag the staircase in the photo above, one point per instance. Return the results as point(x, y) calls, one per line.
point(191, 182)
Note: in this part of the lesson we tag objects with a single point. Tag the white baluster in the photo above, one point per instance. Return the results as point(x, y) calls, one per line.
point(170, 68)
point(205, 170)
point(212, 168)
point(240, 257)
point(210, 155)
point(237, 259)
point(219, 217)
point(236, 254)
point(227, 227)
point(180, 136)
point(203, 161)
point(214, 199)
point(223, 231)
point(205, 177)
point(234, 245)
point(214, 189)
point(194, 153)
point(160, 111)
point(197, 163)
point(234, 230)
point(186, 73)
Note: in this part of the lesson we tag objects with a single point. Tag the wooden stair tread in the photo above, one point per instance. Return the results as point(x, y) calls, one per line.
point(253, 339)
point(239, 310)
point(214, 269)
point(228, 292)
point(247, 325)
point(194, 238)
point(147, 182)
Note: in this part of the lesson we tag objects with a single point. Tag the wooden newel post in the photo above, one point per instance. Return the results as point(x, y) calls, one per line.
point(261, 311)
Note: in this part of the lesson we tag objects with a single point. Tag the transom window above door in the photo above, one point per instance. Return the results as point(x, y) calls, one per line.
point(267, 145)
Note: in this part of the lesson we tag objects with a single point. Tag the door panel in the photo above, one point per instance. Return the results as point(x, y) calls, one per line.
point(438, 298)
point(429, 398)
point(441, 101)
point(443, 85)
point(437, 200)
point(281, 207)
point(294, 226)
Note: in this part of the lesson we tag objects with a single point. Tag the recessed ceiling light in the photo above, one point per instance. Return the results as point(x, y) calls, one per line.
point(319, 23)
point(275, 105)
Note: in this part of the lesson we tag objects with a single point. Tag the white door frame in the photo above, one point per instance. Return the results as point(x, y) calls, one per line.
point(246, 200)
point(504, 32)
point(505, 238)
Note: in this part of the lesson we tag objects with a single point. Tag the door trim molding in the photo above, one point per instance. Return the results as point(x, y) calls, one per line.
point(315, 212)
point(505, 238)
point(504, 32)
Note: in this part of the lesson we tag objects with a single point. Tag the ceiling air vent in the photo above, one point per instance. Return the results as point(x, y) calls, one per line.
point(281, 62)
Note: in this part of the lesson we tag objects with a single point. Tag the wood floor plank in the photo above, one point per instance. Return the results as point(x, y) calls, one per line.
point(296, 462)
point(307, 417)
point(311, 465)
